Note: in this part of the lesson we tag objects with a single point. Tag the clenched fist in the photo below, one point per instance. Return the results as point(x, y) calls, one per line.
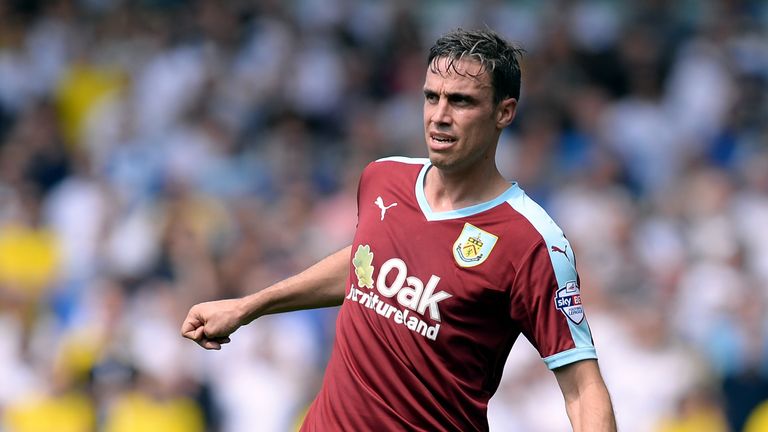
point(210, 324)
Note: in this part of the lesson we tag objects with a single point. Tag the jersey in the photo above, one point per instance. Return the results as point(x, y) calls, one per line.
point(434, 302)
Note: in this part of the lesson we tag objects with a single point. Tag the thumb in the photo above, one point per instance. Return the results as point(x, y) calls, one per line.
point(192, 327)
point(199, 333)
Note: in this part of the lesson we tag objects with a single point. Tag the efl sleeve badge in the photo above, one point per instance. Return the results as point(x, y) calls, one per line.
point(568, 301)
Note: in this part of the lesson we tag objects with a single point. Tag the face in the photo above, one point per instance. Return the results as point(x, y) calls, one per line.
point(462, 123)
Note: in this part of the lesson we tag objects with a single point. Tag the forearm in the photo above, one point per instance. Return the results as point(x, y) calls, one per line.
point(591, 409)
point(586, 397)
point(321, 285)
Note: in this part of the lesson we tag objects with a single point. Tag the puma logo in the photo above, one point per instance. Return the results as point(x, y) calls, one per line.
point(562, 251)
point(380, 203)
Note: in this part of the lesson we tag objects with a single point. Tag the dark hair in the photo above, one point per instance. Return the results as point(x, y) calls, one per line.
point(494, 54)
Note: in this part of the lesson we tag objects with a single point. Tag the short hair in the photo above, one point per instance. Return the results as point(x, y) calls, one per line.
point(494, 53)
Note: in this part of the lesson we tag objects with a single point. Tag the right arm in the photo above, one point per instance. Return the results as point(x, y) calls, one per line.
point(321, 285)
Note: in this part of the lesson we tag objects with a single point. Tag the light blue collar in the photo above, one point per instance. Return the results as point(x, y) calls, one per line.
point(513, 190)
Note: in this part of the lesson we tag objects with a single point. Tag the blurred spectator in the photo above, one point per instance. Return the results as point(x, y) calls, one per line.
point(29, 251)
point(698, 411)
point(758, 419)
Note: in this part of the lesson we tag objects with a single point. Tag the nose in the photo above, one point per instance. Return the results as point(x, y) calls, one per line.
point(441, 114)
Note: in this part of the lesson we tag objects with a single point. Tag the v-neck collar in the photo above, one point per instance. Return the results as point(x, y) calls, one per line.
point(431, 215)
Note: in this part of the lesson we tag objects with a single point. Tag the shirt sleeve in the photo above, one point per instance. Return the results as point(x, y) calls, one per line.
point(546, 303)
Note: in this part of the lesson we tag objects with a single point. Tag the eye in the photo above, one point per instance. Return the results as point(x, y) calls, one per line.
point(460, 100)
point(430, 97)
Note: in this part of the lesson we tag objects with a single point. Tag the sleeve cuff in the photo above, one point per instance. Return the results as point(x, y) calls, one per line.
point(571, 356)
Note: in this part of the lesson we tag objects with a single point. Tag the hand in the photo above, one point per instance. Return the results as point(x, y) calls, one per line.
point(210, 324)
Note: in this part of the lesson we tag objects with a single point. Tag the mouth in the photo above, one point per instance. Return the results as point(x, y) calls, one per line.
point(439, 141)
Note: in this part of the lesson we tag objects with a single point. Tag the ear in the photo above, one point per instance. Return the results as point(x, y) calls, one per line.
point(505, 112)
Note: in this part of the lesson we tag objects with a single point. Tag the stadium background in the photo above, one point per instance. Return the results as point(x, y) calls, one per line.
point(150, 147)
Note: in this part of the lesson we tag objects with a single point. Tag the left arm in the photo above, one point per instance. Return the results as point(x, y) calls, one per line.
point(586, 397)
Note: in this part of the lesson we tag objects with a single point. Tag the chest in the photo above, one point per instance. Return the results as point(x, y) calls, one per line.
point(449, 270)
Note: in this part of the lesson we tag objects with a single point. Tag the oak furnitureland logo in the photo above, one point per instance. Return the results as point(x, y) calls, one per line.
point(407, 291)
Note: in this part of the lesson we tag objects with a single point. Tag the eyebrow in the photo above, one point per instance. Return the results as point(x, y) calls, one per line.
point(453, 97)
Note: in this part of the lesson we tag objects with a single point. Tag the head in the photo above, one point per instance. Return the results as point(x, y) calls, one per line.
point(471, 90)
point(495, 55)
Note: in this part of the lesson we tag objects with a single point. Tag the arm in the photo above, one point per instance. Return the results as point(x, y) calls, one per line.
point(586, 398)
point(321, 285)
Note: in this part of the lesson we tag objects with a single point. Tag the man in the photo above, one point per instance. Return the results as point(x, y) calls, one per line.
point(449, 264)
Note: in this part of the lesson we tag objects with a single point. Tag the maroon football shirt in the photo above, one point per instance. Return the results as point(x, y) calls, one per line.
point(435, 301)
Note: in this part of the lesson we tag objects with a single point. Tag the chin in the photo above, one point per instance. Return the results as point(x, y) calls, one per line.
point(441, 163)
point(436, 159)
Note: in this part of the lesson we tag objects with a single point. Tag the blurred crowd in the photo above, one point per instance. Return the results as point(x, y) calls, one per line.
point(159, 153)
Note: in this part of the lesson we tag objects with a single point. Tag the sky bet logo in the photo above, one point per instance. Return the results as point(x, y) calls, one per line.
point(409, 291)
point(568, 301)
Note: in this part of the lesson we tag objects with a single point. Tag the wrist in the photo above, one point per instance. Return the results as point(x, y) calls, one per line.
point(249, 308)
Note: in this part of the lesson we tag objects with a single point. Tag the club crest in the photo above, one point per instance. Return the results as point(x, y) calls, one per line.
point(473, 246)
point(568, 301)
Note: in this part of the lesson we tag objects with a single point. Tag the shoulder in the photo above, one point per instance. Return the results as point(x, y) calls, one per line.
point(542, 232)
point(550, 241)
point(536, 216)
point(400, 162)
point(393, 165)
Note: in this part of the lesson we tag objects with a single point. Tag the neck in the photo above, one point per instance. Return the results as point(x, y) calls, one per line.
point(456, 190)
